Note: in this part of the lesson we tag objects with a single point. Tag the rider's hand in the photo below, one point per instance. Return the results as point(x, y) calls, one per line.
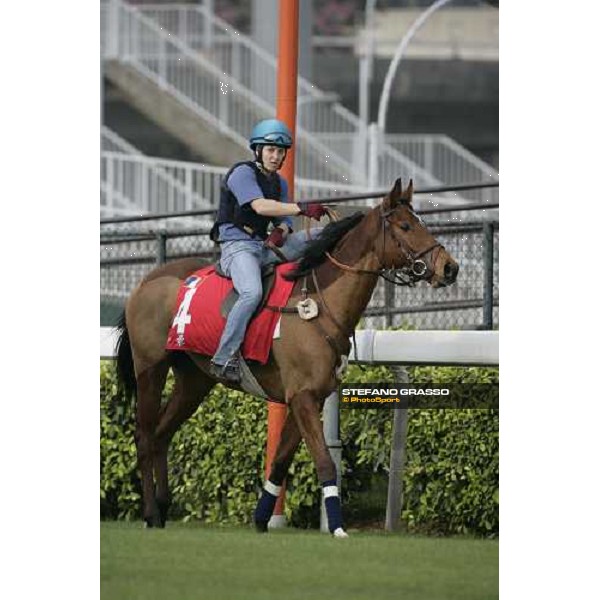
point(313, 211)
point(276, 237)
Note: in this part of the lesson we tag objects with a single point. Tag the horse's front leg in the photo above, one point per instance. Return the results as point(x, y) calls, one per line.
point(305, 407)
point(288, 444)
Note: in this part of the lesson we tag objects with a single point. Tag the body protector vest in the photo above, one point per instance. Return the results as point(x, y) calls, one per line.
point(244, 217)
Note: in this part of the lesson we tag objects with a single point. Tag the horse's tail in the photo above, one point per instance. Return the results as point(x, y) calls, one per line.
point(125, 370)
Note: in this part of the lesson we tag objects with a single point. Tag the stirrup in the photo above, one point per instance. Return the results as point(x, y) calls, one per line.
point(229, 372)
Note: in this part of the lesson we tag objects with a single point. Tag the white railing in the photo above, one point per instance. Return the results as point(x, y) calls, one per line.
point(230, 81)
point(153, 185)
point(175, 179)
point(467, 348)
point(194, 79)
point(113, 203)
point(139, 184)
point(337, 129)
point(133, 183)
point(448, 161)
point(248, 63)
point(344, 145)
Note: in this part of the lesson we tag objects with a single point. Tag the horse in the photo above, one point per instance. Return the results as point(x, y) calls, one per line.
point(338, 270)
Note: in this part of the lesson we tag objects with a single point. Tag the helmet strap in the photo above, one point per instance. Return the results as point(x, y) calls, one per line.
point(258, 154)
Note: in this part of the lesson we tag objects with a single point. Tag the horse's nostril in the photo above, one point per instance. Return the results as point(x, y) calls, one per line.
point(451, 271)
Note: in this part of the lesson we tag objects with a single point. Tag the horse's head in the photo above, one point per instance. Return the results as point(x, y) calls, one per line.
point(406, 246)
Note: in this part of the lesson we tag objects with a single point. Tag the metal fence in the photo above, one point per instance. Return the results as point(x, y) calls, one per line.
point(132, 183)
point(130, 249)
point(230, 82)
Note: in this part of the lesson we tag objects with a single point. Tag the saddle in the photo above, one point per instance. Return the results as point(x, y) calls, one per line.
point(267, 276)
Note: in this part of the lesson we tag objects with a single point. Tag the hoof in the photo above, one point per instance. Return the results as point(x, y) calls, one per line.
point(163, 509)
point(154, 521)
point(261, 526)
point(340, 533)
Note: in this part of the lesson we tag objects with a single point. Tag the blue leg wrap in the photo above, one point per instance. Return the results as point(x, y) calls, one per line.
point(265, 507)
point(333, 508)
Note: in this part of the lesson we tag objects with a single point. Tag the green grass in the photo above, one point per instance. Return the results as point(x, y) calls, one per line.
point(214, 563)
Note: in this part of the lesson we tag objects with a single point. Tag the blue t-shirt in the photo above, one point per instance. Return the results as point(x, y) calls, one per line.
point(242, 183)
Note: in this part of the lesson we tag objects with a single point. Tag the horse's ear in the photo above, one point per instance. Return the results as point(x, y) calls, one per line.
point(392, 199)
point(408, 192)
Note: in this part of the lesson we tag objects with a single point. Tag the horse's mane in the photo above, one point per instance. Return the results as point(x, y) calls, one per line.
point(314, 253)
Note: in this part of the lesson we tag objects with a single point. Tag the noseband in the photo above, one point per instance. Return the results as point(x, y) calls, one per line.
point(414, 268)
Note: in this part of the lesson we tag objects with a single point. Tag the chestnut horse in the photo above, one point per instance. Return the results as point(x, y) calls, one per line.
point(339, 270)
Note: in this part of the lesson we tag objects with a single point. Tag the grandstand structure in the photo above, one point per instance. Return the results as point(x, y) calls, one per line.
point(205, 84)
point(209, 93)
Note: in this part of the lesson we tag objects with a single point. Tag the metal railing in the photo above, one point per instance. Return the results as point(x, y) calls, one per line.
point(447, 161)
point(146, 184)
point(230, 82)
point(140, 184)
point(134, 39)
point(127, 254)
point(134, 182)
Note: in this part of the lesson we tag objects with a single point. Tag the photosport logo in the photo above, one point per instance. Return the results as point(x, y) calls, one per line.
point(418, 395)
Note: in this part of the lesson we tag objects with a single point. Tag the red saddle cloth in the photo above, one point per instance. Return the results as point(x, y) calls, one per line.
point(197, 324)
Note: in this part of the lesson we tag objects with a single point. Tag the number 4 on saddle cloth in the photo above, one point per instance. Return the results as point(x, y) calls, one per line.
point(205, 296)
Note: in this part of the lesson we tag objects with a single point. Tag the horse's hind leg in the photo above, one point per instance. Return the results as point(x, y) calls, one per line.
point(288, 444)
point(191, 387)
point(150, 384)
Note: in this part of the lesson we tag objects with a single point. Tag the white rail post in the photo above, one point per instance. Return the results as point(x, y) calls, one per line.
point(181, 28)
point(188, 189)
point(110, 201)
point(146, 186)
point(373, 157)
point(428, 155)
point(365, 73)
point(223, 102)
point(112, 46)
point(397, 458)
point(143, 184)
point(236, 61)
point(207, 38)
point(162, 62)
point(135, 42)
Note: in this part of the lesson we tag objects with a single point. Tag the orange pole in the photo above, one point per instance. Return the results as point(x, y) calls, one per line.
point(287, 86)
point(287, 79)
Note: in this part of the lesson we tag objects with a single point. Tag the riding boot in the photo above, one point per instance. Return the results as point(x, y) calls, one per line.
point(229, 372)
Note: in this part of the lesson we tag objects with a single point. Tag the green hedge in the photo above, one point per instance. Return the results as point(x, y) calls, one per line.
point(216, 460)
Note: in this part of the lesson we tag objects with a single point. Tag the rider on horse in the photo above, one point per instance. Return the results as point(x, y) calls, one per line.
point(254, 196)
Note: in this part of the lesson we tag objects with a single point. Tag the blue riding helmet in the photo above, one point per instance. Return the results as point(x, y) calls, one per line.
point(272, 132)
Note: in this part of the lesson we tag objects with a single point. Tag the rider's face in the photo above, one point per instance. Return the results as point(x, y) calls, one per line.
point(272, 157)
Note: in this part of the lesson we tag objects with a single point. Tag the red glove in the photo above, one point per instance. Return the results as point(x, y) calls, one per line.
point(313, 211)
point(276, 237)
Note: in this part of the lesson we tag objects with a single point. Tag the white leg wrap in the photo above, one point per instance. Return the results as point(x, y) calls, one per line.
point(330, 490)
point(273, 489)
point(340, 533)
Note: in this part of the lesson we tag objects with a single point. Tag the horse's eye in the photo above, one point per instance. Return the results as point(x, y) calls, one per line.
point(404, 226)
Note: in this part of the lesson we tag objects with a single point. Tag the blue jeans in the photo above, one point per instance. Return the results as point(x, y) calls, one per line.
point(242, 261)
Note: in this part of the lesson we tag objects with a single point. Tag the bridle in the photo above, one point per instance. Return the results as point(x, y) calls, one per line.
point(413, 268)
